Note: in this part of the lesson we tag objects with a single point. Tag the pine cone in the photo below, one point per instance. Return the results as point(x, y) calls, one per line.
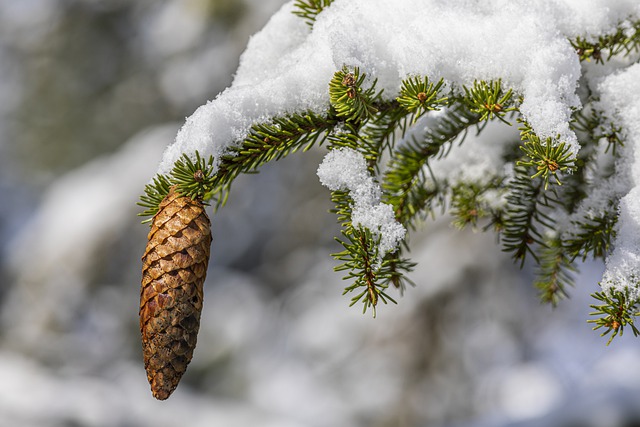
point(174, 266)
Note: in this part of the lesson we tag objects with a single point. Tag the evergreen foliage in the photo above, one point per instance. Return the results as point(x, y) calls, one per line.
point(349, 99)
point(488, 100)
point(555, 272)
point(401, 137)
point(408, 185)
point(623, 42)
point(309, 9)
point(616, 312)
point(419, 95)
point(547, 158)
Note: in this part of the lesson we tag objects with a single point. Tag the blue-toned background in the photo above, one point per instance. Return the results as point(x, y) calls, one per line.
point(91, 92)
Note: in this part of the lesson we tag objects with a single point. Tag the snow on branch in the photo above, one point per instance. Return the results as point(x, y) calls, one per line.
point(408, 79)
point(344, 169)
point(620, 95)
point(287, 65)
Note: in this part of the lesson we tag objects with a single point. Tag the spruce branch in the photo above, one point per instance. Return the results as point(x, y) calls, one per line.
point(418, 95)
point(370, 270)
point(405, 181)
point(350, 136)
point(381, 133)
point(358, 118)
point(489, 100)
point(154, 193)
point(309, 9)
point(555, 272)
point(624, 41)
point(349, 99)
point(360, 259)
point(524, 216)
point(268, 142)
point(594, 235)
point(468, 205)
point(617, 310)
point(548, 157)
point(192, 179)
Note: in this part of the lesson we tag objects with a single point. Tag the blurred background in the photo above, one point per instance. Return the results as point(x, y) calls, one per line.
point(91, 92)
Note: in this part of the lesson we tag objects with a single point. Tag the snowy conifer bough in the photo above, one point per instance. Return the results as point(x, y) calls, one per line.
point(391, 89)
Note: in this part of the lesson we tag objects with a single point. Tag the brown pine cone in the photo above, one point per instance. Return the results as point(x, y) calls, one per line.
point(174, 266)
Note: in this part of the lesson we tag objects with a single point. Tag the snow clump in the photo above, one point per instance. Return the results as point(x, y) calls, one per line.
point(344, 169)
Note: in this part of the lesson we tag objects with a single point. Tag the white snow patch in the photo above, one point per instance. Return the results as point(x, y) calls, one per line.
point(619, 94)
point(345, 169)
point(287, 67)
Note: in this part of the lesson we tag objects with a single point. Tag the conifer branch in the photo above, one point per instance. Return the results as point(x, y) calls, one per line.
point(360, 260)
point(418, 95)
point(309, 9)
point(624, 41)
point(359, 118)
point(266, 142)
point(191, 179)
point(489, 100)
point(370, 275)
point(555, 272)
point(616, 312)
point(468, 205)
point(405, 182)
point(594, 236)
point(349, 99)
point(370, 271)
point(154, 193)
point(548, 157)
point(524, 216)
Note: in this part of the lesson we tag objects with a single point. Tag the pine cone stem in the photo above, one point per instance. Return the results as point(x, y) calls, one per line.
point(174, 266)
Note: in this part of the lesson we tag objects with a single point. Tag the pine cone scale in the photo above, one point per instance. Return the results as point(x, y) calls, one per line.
point(191, 234)
point(174, 269)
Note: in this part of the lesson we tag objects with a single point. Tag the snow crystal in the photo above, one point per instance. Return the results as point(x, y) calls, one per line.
point(345, 169)
point(287, 67)
point(619, 94)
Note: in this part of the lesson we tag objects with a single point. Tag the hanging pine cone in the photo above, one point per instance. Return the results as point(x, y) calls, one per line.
point(174, 266)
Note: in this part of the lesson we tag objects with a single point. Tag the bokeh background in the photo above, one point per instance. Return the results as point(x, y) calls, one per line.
point(91, 92)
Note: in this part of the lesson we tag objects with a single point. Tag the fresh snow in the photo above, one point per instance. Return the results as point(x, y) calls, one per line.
point(620, 94)
point(345, 169)
point(287, 67)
